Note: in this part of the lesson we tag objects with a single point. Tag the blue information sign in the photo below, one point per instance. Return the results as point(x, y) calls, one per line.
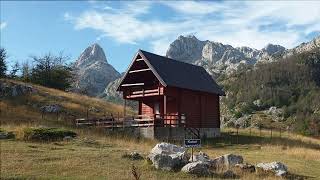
point(192, 143)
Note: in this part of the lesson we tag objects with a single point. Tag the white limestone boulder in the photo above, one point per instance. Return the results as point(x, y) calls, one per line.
point(278, 168)
point(226, 161)
point(198, 168)
point(166, 156)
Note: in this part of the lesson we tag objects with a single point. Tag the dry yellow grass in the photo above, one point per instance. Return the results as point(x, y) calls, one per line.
point(97, 155)
point(23, 109)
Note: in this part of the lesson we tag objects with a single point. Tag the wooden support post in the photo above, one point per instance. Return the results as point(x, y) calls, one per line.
point(124, 108)
point(191, 154)
point(164, 104)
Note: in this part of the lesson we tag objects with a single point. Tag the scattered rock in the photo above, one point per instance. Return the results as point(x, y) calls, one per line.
point(229, 174)
point(201, 156)
point(54, 108)
point(275, 112)
point(199, 168)
point(93, 109)
point(6, 135)
point(167, 156)
point(257, 103)
point(226, 161)
point(245, 167)
point(278, 168)
point(133, 156)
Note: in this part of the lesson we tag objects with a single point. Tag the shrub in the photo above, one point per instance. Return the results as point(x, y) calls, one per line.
point(47, 134)
point(6, 135)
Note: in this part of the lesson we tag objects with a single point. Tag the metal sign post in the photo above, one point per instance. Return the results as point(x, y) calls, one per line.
point(192, 143)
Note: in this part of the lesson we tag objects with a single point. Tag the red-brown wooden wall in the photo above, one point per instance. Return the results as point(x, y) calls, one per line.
point(201, 109)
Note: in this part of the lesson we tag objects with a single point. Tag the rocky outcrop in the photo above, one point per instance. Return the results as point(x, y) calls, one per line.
point(11, 89)
point(168, 157)
point(111, 89)
point(219, 58)
point(93, 72)
point(278, 168)
point(304, 47)
point(275, 113)
point(52, 108)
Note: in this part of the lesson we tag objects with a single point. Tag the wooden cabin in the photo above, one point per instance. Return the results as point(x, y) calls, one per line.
point(173, 93)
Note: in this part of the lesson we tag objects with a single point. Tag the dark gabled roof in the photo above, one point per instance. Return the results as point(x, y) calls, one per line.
point(182, 75)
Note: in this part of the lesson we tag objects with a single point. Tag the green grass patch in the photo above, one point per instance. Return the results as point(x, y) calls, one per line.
point(47, 134)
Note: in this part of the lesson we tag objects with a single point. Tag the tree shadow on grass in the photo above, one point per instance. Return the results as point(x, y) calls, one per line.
point(230, 139)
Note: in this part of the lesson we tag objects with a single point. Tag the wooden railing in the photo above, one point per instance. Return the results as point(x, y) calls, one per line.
point(155, 120)
point(145, 92)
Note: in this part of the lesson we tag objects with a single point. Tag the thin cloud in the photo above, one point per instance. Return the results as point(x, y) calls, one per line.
point(3, 25)
point(231, 22)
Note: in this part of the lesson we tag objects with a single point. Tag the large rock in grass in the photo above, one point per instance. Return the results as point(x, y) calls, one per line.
point(277, 168)
point(167, 156)
point(202, 157)
point(198, 168)
point(226, 161)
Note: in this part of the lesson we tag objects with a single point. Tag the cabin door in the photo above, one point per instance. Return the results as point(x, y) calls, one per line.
point(156, 109)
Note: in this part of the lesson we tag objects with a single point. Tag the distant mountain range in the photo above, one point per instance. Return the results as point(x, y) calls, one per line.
point(96, 77)
point(219, 58)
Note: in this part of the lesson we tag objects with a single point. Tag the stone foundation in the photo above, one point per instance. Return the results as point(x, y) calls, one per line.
point(174, 133)
point(209, 132)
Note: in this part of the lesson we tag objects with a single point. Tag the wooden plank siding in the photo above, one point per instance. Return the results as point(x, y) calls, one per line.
point(201, 109)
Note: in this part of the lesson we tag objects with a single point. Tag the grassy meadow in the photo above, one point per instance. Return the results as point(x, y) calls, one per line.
point(95, 154)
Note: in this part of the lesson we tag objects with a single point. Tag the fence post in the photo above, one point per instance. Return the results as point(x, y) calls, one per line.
point(260, 130)
point(280, 132)
point(87, 113)
point(271, 133)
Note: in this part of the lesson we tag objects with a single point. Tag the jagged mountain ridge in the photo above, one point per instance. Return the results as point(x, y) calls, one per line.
point(93, 72)
point(219, 58)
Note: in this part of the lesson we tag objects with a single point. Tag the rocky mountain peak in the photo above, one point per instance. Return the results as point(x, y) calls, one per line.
point(93, 73)
point(186, 48)
point(91, 54)
point(272, 49)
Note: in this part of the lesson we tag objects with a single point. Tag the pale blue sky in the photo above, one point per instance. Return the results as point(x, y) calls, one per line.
point(121, 28)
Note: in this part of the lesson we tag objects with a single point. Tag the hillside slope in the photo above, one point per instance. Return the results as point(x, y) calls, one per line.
point(289, 87)
point(21, 103)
